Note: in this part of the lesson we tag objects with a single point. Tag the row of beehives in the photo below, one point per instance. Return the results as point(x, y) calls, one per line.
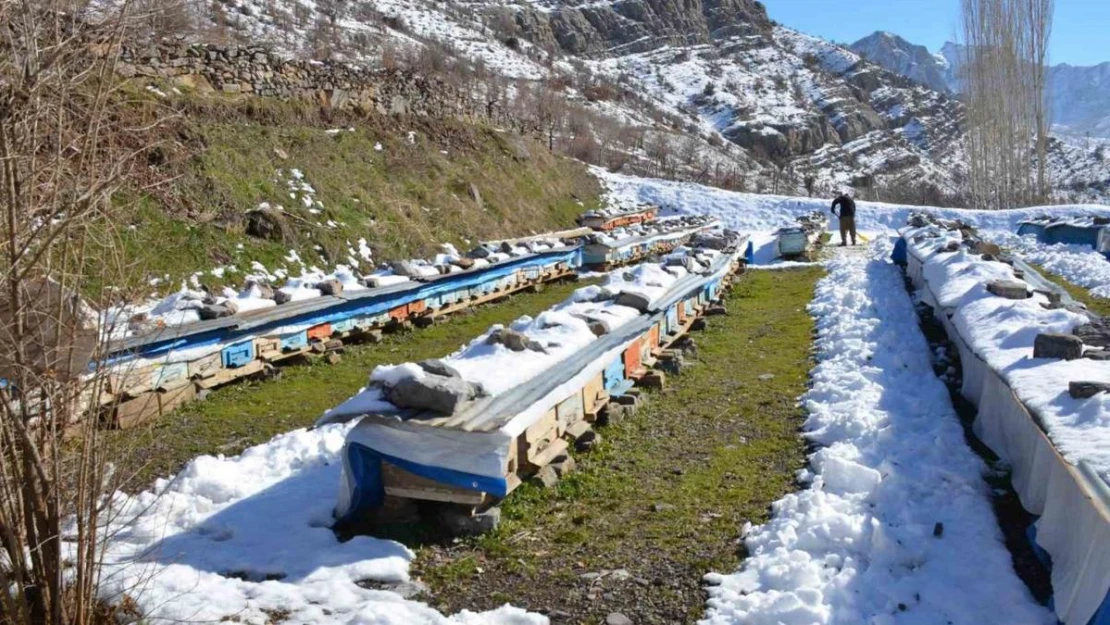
point(606, 221)
point(604, 255)
point(543, 446)
point(142, 388)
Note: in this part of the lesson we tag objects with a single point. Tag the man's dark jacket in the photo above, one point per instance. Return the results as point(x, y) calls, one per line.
point(847, 206)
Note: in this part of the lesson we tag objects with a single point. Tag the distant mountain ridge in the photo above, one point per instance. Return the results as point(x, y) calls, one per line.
point(1079, 97)
point(897, 55)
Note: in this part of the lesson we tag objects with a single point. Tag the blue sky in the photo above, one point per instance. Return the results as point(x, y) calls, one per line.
point(1080, 35)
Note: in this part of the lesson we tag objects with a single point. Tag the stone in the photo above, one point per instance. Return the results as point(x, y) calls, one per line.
point(629, 401)
point(587, 441)
point(674, 365)
point(1100, 355)
point(767, 377)
point(699, 325)
point(514, 340)
point(436, 366)
point(282, 297)
point(265, 291)
point(1086, 390)
point(716, 310)
point(616, 618)
point(546, 477)
point(638, 301)
point(563, 465)
point(655, 379)
point(405, 268)
point(475, 194)
point(433, 392)
point(952, 246)
point(1057, 346)
point(990, 249)
point(612, 414)
point(329, 287)
point(465, 263)
point(662, 507)
point(1096, 333)
point(217, 311)
point(459, 521)
point(266, 223)
point(598, 327)
point(1009, 289)
point(333, 358)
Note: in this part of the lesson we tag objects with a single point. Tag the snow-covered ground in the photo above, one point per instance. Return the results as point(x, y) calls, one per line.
point(749, 212)
point(247, 537)
point(1001, 332)
point(1079, 264)
point(895, 524)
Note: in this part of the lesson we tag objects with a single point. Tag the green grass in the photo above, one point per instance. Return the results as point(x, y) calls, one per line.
point(221, 159)
point(666, 492)
point(244, 414)
point(1097, 305)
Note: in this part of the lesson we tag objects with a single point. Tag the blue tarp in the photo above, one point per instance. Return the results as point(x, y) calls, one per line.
point(345, 307)
point(1086, 234)
point(368, 490)
point(898, 255)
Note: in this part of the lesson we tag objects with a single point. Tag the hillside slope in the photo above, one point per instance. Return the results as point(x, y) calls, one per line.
point(707, 90)
point(290, 186)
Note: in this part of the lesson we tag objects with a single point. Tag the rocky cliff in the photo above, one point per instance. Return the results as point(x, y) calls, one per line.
point(902, 57)
point(1079, 97)
point(632, 26)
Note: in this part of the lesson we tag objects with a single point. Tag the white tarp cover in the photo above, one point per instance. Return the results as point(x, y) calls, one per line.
point(1074, 525)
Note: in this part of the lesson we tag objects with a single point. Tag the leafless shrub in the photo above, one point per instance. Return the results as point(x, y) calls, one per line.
point(64, 151)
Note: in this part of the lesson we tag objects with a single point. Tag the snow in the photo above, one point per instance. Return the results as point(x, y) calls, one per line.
point(749, 212)
point(1080, 265)
point(561, 331)
point(241, 538)
point(1002, 331)
point(857, 545)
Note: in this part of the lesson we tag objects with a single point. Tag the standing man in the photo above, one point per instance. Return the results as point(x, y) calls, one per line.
point(846, 215)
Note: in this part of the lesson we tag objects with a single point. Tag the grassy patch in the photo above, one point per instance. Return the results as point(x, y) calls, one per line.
point(404, 184)
point(240, 415)
point(665, 494)
point(1096, 305)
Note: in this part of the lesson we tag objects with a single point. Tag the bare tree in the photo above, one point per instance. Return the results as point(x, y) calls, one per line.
point(64, 151)
point(1005, 76)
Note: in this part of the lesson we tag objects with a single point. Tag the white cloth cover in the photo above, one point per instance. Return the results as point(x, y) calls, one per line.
point(1074, 524)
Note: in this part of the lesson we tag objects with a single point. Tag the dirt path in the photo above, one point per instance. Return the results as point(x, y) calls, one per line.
point(240, 415)
point(661, 501)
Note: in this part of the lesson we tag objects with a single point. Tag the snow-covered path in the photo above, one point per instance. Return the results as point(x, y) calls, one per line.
point(895, 524)
point(1079, 264)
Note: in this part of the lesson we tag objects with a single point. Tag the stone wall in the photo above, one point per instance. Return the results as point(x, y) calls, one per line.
point(259, 72)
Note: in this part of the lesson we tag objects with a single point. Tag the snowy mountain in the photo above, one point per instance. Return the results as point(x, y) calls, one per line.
point(1079, 97)
point(701, 86)
point(902, 57)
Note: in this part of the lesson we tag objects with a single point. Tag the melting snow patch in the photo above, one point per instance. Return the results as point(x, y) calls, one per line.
point(895, 525)
point(245, 537)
